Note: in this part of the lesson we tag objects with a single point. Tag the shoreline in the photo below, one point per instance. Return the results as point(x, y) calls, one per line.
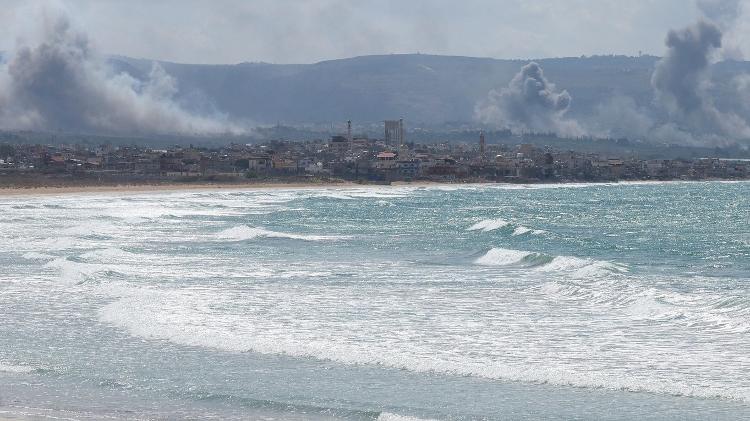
point(19, 191)
point(6, 191)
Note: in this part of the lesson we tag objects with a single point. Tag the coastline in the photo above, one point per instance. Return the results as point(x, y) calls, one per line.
point(11, 191)
point(165, 187)
point(52, 190)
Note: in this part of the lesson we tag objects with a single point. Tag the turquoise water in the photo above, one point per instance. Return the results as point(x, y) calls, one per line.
point(626, 301)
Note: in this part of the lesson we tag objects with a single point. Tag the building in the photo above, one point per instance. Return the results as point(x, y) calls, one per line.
point(482, 145)
point(394, 133)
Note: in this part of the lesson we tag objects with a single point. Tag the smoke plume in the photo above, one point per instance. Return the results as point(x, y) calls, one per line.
point(620, 116)
point(529, 103)
point(721, 12)
point(60, 82)
point(681, 81)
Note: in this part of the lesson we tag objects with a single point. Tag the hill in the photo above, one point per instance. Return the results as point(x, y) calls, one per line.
point(425, 89)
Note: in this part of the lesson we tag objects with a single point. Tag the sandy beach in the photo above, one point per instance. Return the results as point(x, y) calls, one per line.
point(6, 191)
point(147, 188)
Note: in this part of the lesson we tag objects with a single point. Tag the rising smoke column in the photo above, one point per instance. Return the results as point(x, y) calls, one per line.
point(681, 81)
point(529, 103)
point(61, 83)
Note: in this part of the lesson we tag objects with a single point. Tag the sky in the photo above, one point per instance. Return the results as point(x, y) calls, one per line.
point(296, 31)
point(54, 74)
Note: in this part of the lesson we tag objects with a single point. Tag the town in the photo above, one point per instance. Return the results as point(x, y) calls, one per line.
point(343, 157)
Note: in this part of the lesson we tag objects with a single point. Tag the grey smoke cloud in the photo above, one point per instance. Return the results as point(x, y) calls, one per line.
point(60, 82)
point(725, 14)
point(680, 77)
point(529, 103)
point(722, 12)
point(620, 116)
point(681, 80)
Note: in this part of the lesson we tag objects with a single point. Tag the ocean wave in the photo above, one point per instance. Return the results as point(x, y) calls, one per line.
point(59, 243)
point(11, 368)
point(495, 224)
point(387, 416)
point(187, 320)
point(369, 193)
point(71, 272)
point(488, 225)
point(33, 255)
point(583, 267)
point(509, 257)
point(89, 228)
point(700, 312)
point(244, 232)
point(108, 254)
point(541, 262)
point(520, 230)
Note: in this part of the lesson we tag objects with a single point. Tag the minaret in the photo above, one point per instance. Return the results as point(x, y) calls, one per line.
point(482, 155)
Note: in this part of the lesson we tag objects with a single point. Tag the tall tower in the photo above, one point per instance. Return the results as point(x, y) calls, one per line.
point(482, 155)
point(401, 140)
point(393, 133)
point(349, 139)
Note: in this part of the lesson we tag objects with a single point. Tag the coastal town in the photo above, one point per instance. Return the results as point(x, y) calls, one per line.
point(340, 158)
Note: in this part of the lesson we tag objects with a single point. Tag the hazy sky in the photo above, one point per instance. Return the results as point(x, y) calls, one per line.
point(288, 31)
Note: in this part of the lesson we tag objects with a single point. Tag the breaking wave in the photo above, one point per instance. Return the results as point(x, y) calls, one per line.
point(33, 255)
point(244, 233)
point(520, 230)
point(183, 318)
point(694, 312)
point(108, 254)
point(509, 257)
point(71, 272)
point(495, 224)
point(387, 416)
point(488, 225)
point(9, 368)
point(545, 263)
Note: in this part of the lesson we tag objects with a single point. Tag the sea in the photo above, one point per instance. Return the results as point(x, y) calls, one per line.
point(456, 302)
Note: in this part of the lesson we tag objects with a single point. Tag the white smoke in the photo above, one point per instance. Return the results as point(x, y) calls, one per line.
point(56, 80)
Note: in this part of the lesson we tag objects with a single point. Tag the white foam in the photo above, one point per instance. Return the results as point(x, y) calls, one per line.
point(33, 255)
point(387, 416)
point(649, 308)
point(9, 368)
point(88, 228)
point(567, 265)
point(488, 225)
point(584, 268)
point(70, 272)
point(59, 243)
point(502, 257)
point(520, 230)
point(187, 318)
point(243, 233)
point(108, 254)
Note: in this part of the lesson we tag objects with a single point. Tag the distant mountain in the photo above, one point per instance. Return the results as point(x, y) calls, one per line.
point(424, 89)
